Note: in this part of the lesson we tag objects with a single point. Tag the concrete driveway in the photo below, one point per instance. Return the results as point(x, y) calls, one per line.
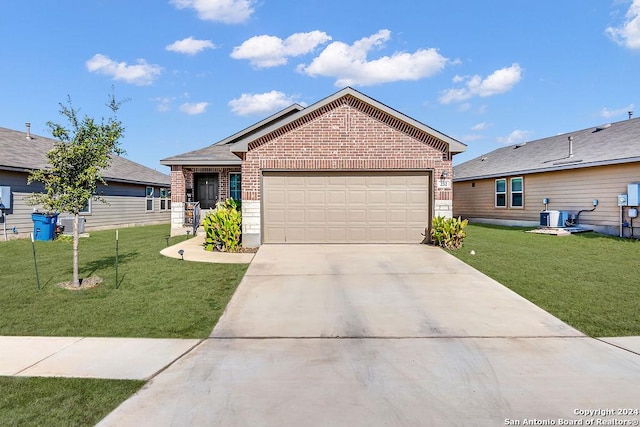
point(350, 335)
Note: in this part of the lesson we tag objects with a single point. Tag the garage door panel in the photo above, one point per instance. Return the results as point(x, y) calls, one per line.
point(397, 216)
point(340, 207)
point(295, 197)
point(336, 234)
point(377, 197)
point(356, 197)
point(314, 181)
point(357, 234)
point(356, 216)
point(338, 216)
point(316, 198)
point(336, 197)
point(275, 216)
point(316, 215)
point(377, 215)
point(417, 197)
point(314, 234)
point(398, 197)
point(274, 197)
point(295, 216)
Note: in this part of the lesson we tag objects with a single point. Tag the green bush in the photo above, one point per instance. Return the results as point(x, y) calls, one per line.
point(223, 227)
point(448, 232)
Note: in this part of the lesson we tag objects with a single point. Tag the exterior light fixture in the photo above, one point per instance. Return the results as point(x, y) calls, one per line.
point(181, 253)
point(166, 238)
point(444, 175)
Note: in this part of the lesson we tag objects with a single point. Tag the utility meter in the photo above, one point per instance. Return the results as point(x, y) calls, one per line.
point(622, 200)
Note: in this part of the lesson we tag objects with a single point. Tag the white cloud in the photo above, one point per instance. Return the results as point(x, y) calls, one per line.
point(190, 46)
point(481, 126)
point(141, 74)
point(609, 113)
point(164, 103)
point(628, 34)
point(260, 103)
point(194, 108)
point(269, 51)
point(500, 81)
point(514, 137)
point(350, 66)
point(471, 137)
point(226, 11)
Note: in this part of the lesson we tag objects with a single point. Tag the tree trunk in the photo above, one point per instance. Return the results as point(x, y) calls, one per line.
point(76, 237)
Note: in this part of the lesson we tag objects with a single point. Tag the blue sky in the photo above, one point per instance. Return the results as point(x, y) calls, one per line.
point(488, 73)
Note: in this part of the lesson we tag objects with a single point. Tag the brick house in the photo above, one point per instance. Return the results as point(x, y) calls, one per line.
point(347, 169)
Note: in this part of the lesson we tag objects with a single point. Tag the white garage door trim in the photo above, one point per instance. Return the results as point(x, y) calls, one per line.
point(345, 206)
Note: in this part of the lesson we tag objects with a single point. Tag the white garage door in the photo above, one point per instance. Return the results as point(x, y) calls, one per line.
point(345, 207)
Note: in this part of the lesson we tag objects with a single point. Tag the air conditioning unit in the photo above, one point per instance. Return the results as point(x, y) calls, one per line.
point(553, 218)
point(67, 223)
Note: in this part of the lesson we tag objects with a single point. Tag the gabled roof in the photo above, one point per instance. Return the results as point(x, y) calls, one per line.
point(22, 155)
point(608, 144)
point(454, 146)
point(220, 153)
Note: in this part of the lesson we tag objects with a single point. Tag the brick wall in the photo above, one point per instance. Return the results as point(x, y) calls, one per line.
point(182, 179)
point(345, 138)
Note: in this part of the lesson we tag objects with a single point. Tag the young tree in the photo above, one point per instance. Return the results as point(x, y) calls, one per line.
point(76, 163)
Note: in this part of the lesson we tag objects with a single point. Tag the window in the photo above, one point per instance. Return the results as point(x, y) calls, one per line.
point(87, 208)
point(165, 199)
point(517, 193)
point(235, 186)
point(501, 193)
point(149, 196)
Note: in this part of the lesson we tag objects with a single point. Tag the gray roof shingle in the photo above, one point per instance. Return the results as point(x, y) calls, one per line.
point(220, 153)
point(21, 154)
point(596, 146)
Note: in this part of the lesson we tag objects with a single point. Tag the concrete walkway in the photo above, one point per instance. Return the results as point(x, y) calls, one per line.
point(111, 358)
point(384, 335)
point(193, 250)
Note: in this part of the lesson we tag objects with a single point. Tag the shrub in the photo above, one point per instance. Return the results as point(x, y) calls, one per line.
point(448, 232)
point(223, 227)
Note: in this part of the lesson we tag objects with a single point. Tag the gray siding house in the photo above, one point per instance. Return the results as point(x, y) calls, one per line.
point(569, 171)
point(135, 194)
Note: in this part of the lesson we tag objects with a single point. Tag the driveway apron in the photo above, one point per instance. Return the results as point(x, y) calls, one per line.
point(350, 335)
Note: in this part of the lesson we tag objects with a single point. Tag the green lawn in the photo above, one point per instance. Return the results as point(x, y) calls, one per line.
point(588, 280)
point(60, 401)
point(157, 296)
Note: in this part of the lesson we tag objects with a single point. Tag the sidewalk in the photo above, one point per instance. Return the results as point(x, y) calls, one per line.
point(109, 358)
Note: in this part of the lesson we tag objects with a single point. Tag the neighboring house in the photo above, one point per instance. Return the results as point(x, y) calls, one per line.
point(345, 169)
point(510, 184)
point(135, 194)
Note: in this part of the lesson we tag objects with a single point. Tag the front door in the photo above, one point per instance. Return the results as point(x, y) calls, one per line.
point(207, 191)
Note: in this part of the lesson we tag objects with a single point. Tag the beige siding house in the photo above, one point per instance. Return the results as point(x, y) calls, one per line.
point(569, 172)
point(135, 194)
point(347, 169)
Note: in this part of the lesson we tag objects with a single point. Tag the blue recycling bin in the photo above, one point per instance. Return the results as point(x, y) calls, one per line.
point(44, 225)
